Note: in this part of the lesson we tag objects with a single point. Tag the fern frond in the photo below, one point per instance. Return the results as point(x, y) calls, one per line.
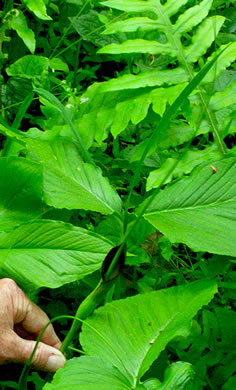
point(166, 31)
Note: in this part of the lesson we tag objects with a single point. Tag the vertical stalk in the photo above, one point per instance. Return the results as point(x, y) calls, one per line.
point(17, 121)
point(85, 309)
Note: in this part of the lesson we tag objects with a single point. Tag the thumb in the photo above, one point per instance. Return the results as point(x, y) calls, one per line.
point(45, 357)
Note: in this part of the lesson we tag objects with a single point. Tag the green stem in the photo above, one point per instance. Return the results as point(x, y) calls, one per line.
point(85, 309)
point(55, 102)
point(17, 122)
point(68, 29)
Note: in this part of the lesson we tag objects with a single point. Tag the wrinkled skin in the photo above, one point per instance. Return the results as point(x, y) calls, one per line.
point(21, 322)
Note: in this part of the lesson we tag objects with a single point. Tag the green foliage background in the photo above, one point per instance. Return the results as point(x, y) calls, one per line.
point(118, 130)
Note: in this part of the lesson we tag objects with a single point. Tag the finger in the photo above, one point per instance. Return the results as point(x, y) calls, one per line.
point(23, 333)
point(35, 320)
point(19, 310)
point(45, 357)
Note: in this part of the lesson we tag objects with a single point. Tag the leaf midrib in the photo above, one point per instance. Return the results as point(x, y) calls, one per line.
point(162, 331)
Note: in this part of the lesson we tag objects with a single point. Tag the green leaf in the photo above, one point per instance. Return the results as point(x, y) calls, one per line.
point(225, 59)
point(192, 16)
point(89, 28)
point(160, 132)
point(131, 333)
point(20, 191)
point(172, 45)
point(185, 40)
point(151, 78)
point(38, 8)
point(224, 98)
point(136, 46)
point(49, 253)
point(13, 133)
point(131, 25)
point(59, 107)
point(17, 22)
point(130, 5)
point(101, 111)
point(199, 210)
point(87, 373)
point(156, 177)
point(68, 181)
point(188, 161)
point(29, 67)
point(210, 29)
point(58, 64)
point(179, 375)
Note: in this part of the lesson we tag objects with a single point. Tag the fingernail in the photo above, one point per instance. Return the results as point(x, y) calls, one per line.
point(55, 362)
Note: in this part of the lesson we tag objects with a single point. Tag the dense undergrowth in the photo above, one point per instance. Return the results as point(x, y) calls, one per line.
point(118, 131)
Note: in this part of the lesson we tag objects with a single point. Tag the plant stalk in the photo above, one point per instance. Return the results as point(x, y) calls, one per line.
point(85, 309)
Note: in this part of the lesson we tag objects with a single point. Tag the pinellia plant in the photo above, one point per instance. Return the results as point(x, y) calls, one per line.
point(159, 107)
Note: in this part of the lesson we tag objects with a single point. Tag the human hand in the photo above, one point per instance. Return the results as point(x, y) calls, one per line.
point(21, 322)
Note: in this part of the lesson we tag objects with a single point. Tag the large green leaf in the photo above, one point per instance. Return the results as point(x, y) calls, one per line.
point(131, 333)
point(21, 189)
point(83, 374)
point(126, 336)
point(88, 373)
point(49, 253)
point(68, 181)
point(199, 210)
